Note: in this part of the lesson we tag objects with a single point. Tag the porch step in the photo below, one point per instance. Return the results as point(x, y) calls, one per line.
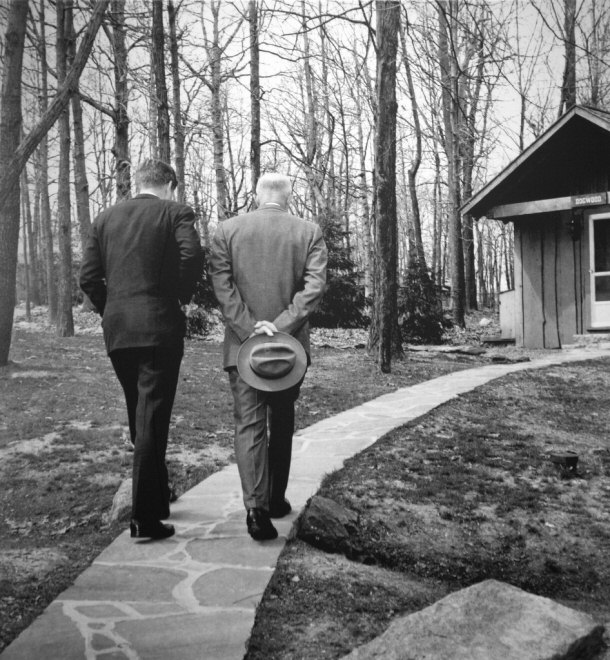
point(498, 340)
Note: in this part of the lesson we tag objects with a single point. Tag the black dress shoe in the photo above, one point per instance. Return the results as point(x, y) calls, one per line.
point(150, 530)
point(260, 526)
point(279, 509)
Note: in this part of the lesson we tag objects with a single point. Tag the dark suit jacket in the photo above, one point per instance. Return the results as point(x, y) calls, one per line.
point(142, 260)
point(267, 265)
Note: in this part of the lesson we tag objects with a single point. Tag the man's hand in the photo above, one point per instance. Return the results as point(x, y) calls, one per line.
point(264, 327)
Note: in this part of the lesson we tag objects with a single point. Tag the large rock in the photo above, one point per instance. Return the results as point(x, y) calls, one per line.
point(121, 503)
point(327, 525)
point(488, 621)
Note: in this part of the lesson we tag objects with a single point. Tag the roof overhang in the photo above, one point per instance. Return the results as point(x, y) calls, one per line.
point(489, 200)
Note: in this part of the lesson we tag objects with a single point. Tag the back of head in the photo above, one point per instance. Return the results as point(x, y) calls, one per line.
point(274, 188)
point(155, 174)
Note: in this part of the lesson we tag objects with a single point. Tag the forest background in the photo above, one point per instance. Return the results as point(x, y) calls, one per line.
point(387, 114)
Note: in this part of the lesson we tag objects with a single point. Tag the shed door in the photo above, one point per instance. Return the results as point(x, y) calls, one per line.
point(599, 233)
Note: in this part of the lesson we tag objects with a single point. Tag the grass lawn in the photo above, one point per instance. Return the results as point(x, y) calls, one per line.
point(63, 449)
point(462, 494)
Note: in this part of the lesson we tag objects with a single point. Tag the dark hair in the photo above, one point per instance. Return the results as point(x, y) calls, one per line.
point(152, 173)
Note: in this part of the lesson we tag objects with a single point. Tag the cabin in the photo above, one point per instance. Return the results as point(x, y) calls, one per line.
point(557, 195)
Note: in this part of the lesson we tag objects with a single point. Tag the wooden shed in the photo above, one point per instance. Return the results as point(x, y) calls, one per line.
point(557, 194)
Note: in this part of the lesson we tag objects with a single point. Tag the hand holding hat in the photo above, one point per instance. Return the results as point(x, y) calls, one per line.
point(265, 327)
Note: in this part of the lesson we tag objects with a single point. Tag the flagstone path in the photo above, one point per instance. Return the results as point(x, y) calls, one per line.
point(193, 596)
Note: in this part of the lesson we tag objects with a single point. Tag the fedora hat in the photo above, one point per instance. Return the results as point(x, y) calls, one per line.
point(272, 364)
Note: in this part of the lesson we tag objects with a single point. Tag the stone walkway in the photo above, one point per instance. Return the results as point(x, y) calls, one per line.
point(193, 596)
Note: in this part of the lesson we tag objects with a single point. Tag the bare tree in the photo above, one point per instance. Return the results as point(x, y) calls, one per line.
point(417, 246)
point(9, 178)
point(65, 322)
point(10, 131)
point(255, 96)
point(42, 174)
point(14, 155)
point(568, 84)
point(172, 13)
point(120, 115)
point(160, 86)
point(81, 183)
point(386, 309)
point(447, 23)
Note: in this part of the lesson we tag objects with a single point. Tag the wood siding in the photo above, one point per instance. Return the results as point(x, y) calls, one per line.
point(551, 281)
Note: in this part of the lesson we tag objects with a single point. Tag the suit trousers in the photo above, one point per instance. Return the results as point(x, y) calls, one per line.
point(264, 426)
point(149, 377)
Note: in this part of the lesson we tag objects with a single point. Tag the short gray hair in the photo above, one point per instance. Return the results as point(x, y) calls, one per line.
point(271, 182)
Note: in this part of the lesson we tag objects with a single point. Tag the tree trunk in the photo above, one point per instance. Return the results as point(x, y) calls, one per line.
point(451, 120)
point(81, 184)
point(158, 63)
point(178, 123)
point(568, 85)
point(417, 250)
point(120, 149)
point(364, 201)
point(29, 237)
point(469, 118)
point(10, 130)
point(481, 270)
point(26, 260)
point(386, 308)
point(255, 97)
point(42, 178)
point(215, 57)
point(310, 128)
point(65, 322)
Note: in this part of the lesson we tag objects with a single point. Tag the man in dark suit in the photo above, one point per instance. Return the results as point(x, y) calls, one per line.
point(268, 269)
point(142, 261)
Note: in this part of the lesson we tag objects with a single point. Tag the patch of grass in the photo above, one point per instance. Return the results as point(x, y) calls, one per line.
point(468, 493)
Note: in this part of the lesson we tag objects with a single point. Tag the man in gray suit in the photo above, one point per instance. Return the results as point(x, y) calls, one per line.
point(268, 268)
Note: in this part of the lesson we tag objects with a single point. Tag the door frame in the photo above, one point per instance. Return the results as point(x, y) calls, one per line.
point(599, 311)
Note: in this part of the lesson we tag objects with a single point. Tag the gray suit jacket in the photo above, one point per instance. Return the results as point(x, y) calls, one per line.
point(267, 265)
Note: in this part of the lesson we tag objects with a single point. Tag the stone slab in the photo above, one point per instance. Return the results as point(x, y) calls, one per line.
point(488, 620)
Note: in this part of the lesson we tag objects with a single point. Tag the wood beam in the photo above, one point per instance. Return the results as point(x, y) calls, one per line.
point(507, 211)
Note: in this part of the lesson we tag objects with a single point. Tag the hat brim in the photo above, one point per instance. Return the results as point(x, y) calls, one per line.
point(293, 377)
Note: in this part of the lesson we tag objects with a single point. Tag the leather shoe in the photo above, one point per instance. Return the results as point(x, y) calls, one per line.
point(260, 526)
point(279, 509)
point(150, 530)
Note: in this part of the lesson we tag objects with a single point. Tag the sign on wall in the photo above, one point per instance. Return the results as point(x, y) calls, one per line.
point(589, 199)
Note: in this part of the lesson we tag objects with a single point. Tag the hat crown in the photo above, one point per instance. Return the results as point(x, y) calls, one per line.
point(271, 364)
point(272, 360)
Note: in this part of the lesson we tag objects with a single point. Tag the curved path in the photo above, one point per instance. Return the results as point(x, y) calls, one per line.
point(193, 596)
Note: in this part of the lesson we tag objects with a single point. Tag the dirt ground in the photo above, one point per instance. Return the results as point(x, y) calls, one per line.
point(64, 450)
point(465, 493)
